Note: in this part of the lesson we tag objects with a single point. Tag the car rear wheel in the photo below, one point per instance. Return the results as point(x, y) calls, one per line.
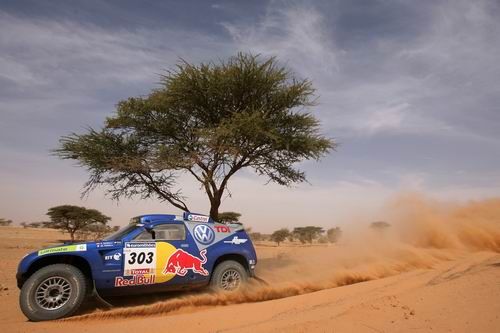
point(53, 292)
point(229, 276)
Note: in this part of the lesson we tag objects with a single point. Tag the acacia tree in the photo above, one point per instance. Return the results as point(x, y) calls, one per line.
point(74, 218)
point(209, 121)
point(307, 234)
point(280, 235)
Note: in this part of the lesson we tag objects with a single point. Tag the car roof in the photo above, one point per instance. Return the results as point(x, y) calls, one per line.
point(155, 218)
point(163, 218)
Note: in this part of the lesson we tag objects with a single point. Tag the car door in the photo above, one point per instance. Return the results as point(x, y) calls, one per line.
point(178, 262)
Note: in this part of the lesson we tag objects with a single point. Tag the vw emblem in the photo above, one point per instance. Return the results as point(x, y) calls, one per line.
point(203, 234)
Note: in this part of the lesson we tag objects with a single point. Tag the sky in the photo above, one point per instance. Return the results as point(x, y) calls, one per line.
point(409, 89)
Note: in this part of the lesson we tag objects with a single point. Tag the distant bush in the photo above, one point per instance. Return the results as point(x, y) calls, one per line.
point(4, 222)
point(307, 234)
point(229, 217)
point(256, 236)
point(379, 225)
point(333, 234)
point(280, 235)
point(323, 240)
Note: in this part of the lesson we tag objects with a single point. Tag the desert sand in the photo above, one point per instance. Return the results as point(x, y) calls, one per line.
point(439, 273)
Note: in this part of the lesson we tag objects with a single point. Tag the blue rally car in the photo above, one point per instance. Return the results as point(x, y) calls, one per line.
point(153, 253)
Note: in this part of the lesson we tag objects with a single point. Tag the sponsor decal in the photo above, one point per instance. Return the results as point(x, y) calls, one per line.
point(141, 271)
point(140, 244)
point(116, 256)
point(107, 244)
point(139, 256)
point(197, 218)
point(167, 263)
point(203, 234)
point(67, 248)
point(236, 241)
point(180, 262)
point(136, 280)
point(222, 228)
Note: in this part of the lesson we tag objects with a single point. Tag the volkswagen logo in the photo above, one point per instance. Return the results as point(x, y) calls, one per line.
point(203, 234)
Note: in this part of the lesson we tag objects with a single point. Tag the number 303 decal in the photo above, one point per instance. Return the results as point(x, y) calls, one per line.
point(140, 258)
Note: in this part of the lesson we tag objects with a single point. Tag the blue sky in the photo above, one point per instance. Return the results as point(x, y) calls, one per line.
point(410, 90)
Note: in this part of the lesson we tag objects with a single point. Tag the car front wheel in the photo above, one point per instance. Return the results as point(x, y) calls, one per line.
point(53, 292)
point(229, 276)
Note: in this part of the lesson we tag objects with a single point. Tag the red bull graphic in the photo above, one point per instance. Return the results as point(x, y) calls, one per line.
point(180, 262)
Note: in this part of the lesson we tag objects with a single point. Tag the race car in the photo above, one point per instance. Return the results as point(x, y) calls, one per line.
point(153, 253)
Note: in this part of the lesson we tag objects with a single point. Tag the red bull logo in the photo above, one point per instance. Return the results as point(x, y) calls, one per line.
point(137, 280)
point(180, 262)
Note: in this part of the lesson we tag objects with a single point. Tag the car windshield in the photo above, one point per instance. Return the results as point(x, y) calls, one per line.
point(118, 235)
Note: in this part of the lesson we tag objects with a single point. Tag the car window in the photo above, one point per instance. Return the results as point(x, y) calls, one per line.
point(118, 235)
point(164, 232)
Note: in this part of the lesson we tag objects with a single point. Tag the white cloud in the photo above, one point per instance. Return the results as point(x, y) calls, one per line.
point(428, 84)
point(74, 55)
point(296, 34)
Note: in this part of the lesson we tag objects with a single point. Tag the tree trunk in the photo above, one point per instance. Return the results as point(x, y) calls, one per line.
point(214, 205)
point(214, 211)
point(72, 235)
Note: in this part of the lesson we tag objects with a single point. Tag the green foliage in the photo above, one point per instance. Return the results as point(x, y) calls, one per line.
point(209, 121)
point(333, 234)
point(307, 234)
point(229, 217)
point(5, 222)
point(72, 219)
point(280, 235)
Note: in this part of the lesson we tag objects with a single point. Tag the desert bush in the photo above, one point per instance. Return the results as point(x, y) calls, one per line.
point(5, 222)
point(333, 234)
point(280, 235)
point(229, 217)
point(379, 225)
point(307, 234)
point(256, 236)
point(323, 240)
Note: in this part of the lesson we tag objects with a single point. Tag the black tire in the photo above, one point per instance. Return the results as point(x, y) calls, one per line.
point(60, 288)
point(225, 270)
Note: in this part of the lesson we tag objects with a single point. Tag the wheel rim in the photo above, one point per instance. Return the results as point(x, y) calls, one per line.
point(53, 293)
point(231, 279)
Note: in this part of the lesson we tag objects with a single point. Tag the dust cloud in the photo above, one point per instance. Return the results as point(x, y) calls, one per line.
point(423, 232)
